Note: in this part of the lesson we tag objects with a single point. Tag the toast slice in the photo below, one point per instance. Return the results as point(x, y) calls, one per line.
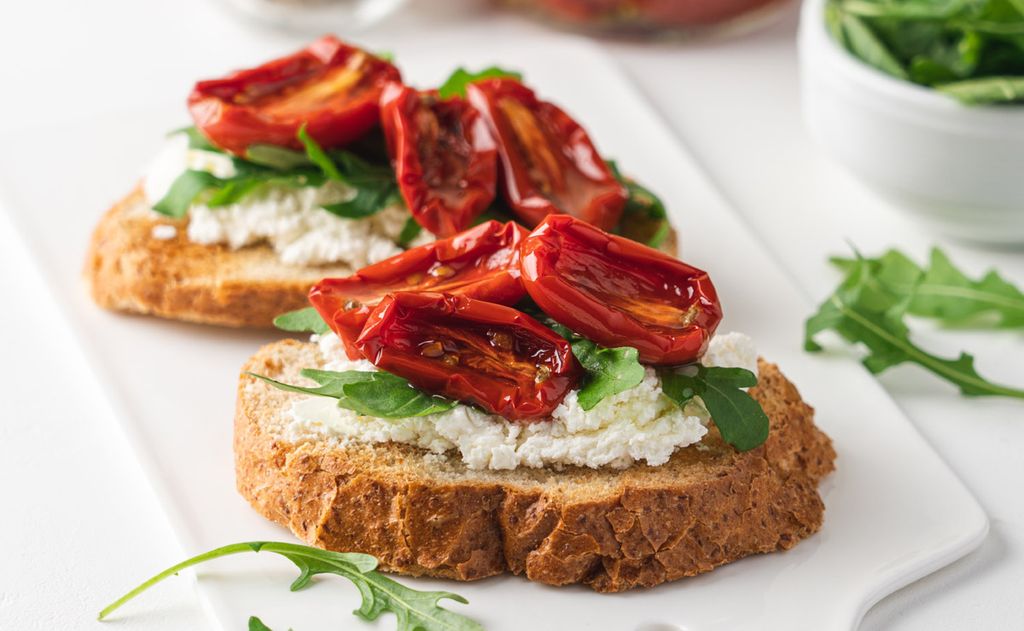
point(614, 530)
point(129, 268)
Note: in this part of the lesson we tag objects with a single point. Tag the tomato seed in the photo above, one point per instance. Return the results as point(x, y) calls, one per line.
point(500, 340)
point(442, 271)
point(432, 350)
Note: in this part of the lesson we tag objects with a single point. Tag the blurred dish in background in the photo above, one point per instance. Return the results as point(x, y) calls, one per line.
point(648, 18)
point(317, 16)
point(956, 167)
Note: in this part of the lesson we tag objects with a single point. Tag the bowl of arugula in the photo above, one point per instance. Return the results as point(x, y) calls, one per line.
point(923, 100)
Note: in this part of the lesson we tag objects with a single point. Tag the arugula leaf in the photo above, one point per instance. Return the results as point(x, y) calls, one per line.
point(609, 371)
point(232, 191)
point(305, 320)
point(364, 203)
point(255, 624)
point(644, 217)
point(987, 90)
point(931, 9)
point(942, 291)
point(455, 84)
point(390, 396)
point(866, 45)
point(183, 190)
point(378, 393)
point(737, 415)
point(196, 139)
point(410, 230)
point(947, 293)
point(375, 186)
point(274, 157)
point(834, 22)
point(249, 175)
point(333, 388)
point(359, 173)
point(413, 609)
point(864, 311)
point(319, 157)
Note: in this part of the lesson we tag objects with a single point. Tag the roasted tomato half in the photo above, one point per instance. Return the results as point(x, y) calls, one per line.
point(331, 87)
point(490, 355)
point(548, 164)
point(482, 263)
point(617, 292)
point(444, 157)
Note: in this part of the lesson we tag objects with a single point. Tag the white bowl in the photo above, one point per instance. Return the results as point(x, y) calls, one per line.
point(959, 168)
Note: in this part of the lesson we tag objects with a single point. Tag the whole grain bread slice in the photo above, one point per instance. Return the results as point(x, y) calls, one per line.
point(129, 268)
point(613, 530)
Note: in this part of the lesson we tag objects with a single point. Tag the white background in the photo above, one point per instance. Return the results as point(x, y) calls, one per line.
point(79, 524)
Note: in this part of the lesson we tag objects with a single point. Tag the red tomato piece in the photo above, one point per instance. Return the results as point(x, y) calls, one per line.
point(482, 263)
point(331, 87)
point(444, 156)
point(548, 163)
point(617, 292)
point(490, 355)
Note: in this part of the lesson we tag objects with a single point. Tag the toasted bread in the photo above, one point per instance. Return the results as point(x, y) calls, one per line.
point(610, 529)
point(129, 269)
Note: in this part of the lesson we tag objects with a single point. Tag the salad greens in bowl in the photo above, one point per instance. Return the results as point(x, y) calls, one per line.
point(972, 50)
point(923, 101)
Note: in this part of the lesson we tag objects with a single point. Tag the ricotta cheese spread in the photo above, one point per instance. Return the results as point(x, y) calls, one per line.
point(287, 218)
point(640, 424)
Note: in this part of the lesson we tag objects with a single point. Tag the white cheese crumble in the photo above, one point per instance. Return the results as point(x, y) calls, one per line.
point(289, 219)
point(731, 350)
point(163, 232)
point(640, 424)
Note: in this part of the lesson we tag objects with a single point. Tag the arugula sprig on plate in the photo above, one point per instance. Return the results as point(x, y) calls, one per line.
point(374, 184)
point(870, 306)
point(943, 292)
point(413, 609)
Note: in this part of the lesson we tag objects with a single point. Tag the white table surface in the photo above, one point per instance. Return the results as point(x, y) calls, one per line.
point(79, 524)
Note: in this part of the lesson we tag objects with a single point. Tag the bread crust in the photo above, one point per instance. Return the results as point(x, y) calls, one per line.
point(611, 530)
point(129, 270)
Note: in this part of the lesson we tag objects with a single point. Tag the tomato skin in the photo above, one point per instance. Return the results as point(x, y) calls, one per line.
point(444, 157)
point(547, 162)
point(490, 355)
point(482, 263)
point(269, 103)
point(617, 292)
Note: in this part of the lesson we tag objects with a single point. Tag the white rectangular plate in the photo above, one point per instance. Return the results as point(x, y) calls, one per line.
point(894, 510)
